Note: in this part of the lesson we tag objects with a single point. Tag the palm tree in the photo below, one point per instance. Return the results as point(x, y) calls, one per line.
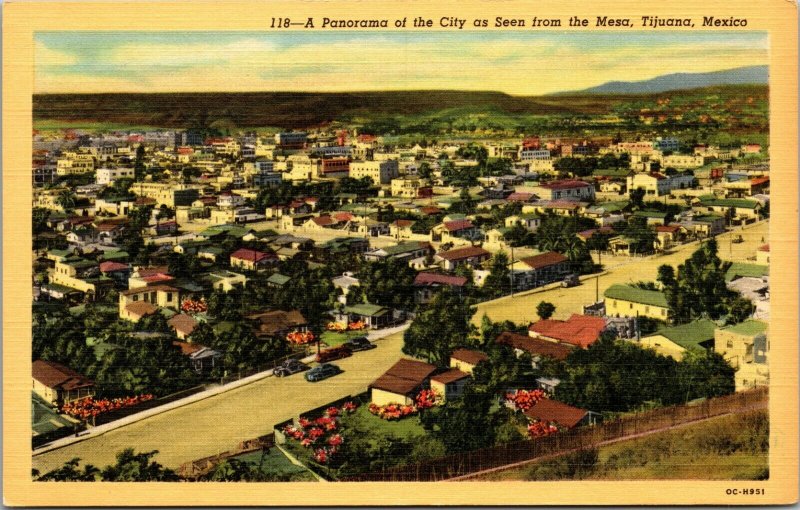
point(66, 200)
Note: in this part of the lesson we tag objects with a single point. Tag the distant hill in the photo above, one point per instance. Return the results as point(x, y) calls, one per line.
point(750, 75)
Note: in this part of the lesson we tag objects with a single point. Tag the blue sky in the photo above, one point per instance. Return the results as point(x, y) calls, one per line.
point(524, 63)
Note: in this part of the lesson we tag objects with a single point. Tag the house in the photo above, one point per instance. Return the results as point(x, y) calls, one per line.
point(627, 301)
point(537, 348)
point(754, 372)
point(401, 229)
point(320, 223)
point(705, 225)
point(736, 343)
point(455, 230)
point(466, 360)
point(762, 255)
point(375, 316)
point(58, 384)
point(276, 323)
point(427, 285)
point(562, 415)
point(116, 271)
point(652, 217)
point(568, 189)
point(653, 183)
point(401, 383)
point(278, 281)
point(668, 236)
point(142, 301)
point(338, 246)
point(203, 359)
point(402, 251)
point(560, 207)
point(252, 260)
point(738, 211)
point(577, 331)
point(449, 384)
point(183, 325)
point(530, 221)
point(675, 341)
point(345, 282)
point(540, 270)
point(225, 281)
point(467, 256)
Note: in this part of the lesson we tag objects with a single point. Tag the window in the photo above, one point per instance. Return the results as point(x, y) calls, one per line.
point(631, 306)
point(136, 297)
point(169, 297)
point(730, 344)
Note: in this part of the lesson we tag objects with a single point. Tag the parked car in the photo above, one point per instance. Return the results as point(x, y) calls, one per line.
point(289, 367)
point(322, 372)
point(738, 239)
point(570, 281)
point(334, 353)
point(360, 343)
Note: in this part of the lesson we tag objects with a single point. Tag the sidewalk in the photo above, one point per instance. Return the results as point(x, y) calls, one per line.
point(210, 392)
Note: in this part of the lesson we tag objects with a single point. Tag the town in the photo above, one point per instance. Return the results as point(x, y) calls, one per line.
point(331, 304)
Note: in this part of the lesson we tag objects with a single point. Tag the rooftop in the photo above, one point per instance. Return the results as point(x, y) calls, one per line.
point(404, 376)
point(691, 334)
point(470, 356)
point(426, 279)
point(464, 253)
point(578, 330)
point(57, 376)
point(534, 346)
point(549, 411)
point(544, 260)
point(748, 328)
point(636, 295)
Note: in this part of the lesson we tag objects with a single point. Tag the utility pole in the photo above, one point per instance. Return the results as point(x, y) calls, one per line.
point(511, 270)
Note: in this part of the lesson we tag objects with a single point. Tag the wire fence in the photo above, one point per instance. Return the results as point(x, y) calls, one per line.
point(463, 464)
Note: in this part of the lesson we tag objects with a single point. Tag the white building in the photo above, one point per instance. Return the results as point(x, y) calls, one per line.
point(109, 175)
point(381, 172)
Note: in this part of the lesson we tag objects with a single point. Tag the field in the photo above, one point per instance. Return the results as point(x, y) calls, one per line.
point(277, 464)
point(725, 448)
point(333, 338)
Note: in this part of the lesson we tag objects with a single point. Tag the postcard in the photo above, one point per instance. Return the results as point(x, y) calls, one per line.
point(346, 253)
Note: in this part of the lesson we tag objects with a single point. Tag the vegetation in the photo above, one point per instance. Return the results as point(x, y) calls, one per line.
point(545, 310)
point(130, 467)
point(439, 329)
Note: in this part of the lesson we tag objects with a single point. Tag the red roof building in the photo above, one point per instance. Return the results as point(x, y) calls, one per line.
point(436, 279)
point(544, 260)
point(252, 256)
point(458, 225)
point(578, 330)
point(536, 347)
point(110, 267)
point(553, 411)
point(58, 384)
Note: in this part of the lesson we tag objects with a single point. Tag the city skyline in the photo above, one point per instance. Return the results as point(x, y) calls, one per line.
point(516, 63)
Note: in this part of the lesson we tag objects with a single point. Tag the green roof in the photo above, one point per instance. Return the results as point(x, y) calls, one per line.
point(114, 255)
point(80, 263)
point(748, 328)
point(731, 202)
point(44, 418)
point(367, 309)
point(740, 269)
point(60, 253)
point(612, 172)
point(636, 295)
point(528, 216)
point(213, 250)
point(57, 287)
point(691, 334)
point(403, 248)
point(278, 279)
point(707, 218)
point(612, 206)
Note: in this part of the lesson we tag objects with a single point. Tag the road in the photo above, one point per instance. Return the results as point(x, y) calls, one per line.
point(521, 308)
point(219, 423)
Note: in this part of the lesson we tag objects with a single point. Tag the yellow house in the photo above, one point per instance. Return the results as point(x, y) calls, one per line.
point(675, 341)
point(627, 301)
point(466, 360)
point(226, 280)
point(401, 383)
point(130, 307)
point(58, 384)
point(449, 384)
point(736, 343)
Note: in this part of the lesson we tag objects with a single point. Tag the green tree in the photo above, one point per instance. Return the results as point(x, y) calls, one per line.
point(443, 326)
point(138, 164)
point(137, 467)
point(70, 472)
point(545, 310)
point(498, 282)
point(637, 197)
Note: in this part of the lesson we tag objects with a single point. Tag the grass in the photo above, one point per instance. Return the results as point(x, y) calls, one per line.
point(89, 125)
point(407, 428)
point(725, 448)
point(276, 463)
point(333, 338)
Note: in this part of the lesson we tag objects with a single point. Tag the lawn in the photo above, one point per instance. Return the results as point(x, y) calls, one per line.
point(276, 463)
point(407, 428)
point(724, 448)
point(334, 338)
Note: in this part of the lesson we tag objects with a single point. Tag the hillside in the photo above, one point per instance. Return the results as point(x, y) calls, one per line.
point(741, 108)
point(750, 75)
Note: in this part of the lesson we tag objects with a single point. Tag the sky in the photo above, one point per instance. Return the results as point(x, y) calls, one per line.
point(518, 63)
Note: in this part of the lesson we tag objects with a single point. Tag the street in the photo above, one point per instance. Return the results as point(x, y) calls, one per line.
point(220, 422)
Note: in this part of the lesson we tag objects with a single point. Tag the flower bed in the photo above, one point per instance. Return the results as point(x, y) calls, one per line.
point(194, 306)
point(540, 428)
point(301, 337)
point(89, 407)
point(350, 326)
point(321, 433)
point(425, 399)
point(522, 400)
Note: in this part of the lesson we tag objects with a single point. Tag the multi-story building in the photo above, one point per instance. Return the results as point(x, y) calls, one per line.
point(381, 172)
point(293, 140)
point(565, 189)
point(109, 175)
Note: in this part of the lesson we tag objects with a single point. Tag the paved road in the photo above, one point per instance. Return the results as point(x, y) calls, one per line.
point(220, 422)
point(522, 307)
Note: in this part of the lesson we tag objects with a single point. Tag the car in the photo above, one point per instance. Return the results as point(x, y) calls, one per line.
point(321, 372)
point(570, 281)
point(738, 239)
point(334, 353)
point(289, 367)
point(360, 343)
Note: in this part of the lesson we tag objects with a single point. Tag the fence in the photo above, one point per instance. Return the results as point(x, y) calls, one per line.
point(197, 468)
point(144, 406)
point(463, 464)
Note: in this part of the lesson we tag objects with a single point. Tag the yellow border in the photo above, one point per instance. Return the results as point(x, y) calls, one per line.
point(779, 17)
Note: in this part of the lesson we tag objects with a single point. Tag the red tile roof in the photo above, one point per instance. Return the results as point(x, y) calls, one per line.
point(147, 271)
point(251, 255)
point(426, 279)
point(183, 323)
point(430, 210)
point(520, 197)
point(109, 266)
point(160, 277)
point(764, 248)
point(667, 228)
point(451, 375)
point(57, 376)
point(324, 221)
point(464, 253)
point(578, 330)
point(534, 346)
point(546, 259)
point(343, 216)
point(402, 223)
point(550, 411)
point(456, 225)
point(758, 181)
point(469, 356)
point(141, 308)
